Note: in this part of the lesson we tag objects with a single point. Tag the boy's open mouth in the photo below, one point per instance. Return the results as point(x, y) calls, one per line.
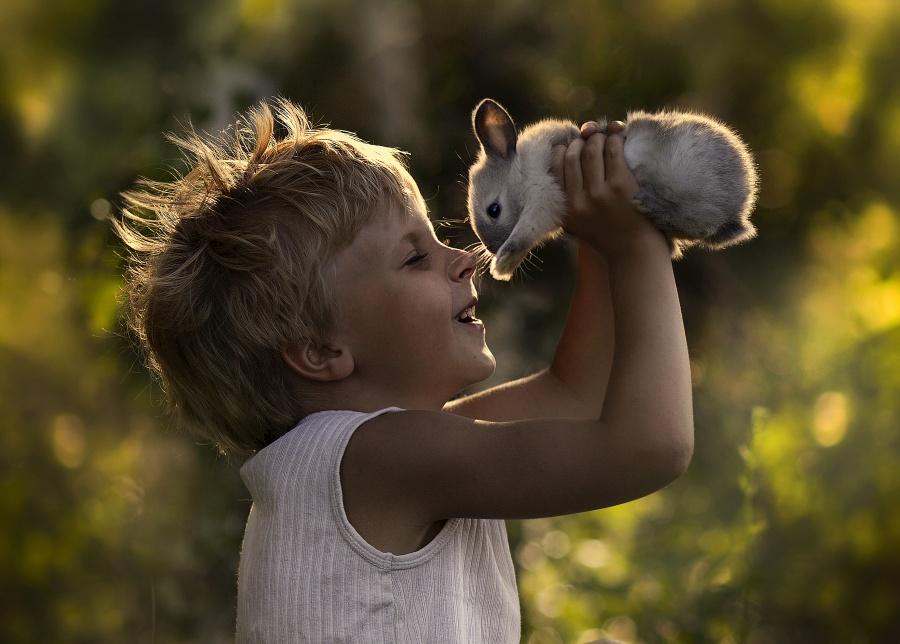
point(467, 315)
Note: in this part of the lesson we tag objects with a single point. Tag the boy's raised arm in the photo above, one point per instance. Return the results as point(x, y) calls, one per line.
point(649, 389)
point(623, 354)
point(584, 354)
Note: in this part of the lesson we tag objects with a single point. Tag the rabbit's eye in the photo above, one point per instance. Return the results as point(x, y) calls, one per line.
point(494, 210)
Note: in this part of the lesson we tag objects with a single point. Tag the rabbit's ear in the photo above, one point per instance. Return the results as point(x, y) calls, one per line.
point(494, 129)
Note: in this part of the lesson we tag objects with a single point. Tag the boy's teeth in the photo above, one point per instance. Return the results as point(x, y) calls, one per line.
point(468, 313)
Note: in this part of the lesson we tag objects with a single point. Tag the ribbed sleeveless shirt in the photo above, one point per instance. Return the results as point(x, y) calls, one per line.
point(306, 575)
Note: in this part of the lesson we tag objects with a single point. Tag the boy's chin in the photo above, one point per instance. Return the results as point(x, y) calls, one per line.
point(487, 366)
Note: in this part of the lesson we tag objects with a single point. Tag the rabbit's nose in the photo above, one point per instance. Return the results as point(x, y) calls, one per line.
point(493, 246)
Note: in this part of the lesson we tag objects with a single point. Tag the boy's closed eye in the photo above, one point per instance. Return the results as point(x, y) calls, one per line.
point(416, 259)
point(420, 256)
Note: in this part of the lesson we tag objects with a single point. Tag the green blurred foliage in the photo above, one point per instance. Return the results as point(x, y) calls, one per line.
point(116, 527)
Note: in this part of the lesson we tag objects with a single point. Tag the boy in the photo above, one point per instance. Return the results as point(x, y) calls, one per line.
point(290, 292)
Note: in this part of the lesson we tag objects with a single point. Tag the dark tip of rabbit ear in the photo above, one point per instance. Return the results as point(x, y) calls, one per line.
point(494, 128)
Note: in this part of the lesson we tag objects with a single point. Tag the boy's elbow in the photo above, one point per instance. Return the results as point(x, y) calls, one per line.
point(683, 453)
point(675, 455)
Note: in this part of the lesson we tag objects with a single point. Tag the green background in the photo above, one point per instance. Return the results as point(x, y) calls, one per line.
point(116, 527)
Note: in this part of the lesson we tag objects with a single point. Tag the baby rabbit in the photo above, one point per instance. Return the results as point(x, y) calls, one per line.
point(697, 181)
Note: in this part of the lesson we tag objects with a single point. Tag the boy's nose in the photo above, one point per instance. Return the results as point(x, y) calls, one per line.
point(464, 266)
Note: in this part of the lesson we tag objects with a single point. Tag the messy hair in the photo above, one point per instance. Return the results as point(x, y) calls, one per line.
point(230, 263)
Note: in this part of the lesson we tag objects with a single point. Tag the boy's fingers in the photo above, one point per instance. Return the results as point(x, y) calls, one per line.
point(573, 167)
point(589, 128)
point(592, 162)
point(614, 127)
point(617, 173)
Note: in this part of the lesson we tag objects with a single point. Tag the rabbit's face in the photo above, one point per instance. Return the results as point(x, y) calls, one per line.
point(493, 206)
point(494, 200)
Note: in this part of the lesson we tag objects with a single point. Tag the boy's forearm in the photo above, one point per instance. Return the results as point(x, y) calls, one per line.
point(584, 355)
point(649, 390)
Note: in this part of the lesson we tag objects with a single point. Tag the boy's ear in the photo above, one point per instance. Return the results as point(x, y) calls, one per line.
point(494, 129)
point(318, 362)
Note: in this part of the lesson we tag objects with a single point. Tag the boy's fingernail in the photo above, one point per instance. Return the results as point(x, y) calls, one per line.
point(589, 129)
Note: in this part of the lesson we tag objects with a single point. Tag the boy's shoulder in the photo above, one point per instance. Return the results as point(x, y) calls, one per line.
point(385, 517)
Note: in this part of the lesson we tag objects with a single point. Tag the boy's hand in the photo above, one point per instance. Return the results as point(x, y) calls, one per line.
point(599, 189)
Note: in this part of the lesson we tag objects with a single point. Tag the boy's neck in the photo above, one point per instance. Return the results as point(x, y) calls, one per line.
point(331, 396)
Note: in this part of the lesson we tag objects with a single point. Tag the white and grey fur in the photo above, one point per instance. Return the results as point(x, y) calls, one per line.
point(697, 181)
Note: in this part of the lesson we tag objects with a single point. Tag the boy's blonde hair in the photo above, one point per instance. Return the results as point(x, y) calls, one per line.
point(230, 264)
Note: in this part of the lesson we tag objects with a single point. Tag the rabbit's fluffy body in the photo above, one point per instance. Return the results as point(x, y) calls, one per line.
point(697, 181)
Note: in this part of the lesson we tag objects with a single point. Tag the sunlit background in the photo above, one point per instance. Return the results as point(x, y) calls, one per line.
point(117, 527)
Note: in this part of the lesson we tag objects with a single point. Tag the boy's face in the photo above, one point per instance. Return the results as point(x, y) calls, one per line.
point(398, 313)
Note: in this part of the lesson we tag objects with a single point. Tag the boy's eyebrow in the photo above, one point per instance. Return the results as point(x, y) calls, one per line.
point(411, 236)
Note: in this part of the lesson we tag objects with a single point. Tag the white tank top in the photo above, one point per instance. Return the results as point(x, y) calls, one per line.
point(306, 575)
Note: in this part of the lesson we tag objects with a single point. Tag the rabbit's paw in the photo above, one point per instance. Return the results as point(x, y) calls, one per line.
point(639, 205)
point(650, 202)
